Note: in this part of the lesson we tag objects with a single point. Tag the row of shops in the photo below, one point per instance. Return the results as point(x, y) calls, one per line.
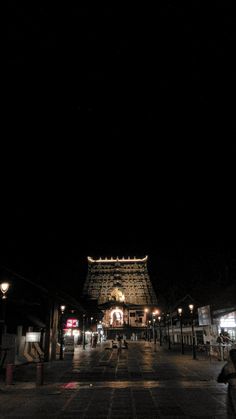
point(209, 325)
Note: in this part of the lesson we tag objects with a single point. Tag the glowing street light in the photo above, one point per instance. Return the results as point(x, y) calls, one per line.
point(4, 287)
point(62, 309)
point(159, 319)
point(146, 311)
point(153, 327)
point(180, 310)
point(191, 307)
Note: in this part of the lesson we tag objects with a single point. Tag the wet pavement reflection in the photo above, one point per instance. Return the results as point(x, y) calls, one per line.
point(138, 383)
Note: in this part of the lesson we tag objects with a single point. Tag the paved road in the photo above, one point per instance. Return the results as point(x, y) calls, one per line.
point(100, 383)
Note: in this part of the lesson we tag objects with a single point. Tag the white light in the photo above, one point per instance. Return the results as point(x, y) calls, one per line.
point(191, 307)
point(180, 310)
point(32, 337)
point(63, 308)
point(227, 323)
point(4, 286)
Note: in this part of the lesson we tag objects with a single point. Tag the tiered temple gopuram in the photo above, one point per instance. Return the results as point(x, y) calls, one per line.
point(122, 289)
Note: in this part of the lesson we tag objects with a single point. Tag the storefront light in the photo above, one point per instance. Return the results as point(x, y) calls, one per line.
point(228, 320)
point(227, 323)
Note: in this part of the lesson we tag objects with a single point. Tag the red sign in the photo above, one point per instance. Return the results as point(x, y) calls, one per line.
point(70, 323)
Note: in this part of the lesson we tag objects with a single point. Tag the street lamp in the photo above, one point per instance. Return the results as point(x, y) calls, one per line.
point(62, 309)
point(149, 330)
point(146, 311)
point(159, 319)
point(180, 310)
point(153, 327)
point(4, 287)
point(191, 307)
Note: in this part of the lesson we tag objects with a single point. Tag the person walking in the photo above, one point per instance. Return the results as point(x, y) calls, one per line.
point(228, 375)
point(119, 339)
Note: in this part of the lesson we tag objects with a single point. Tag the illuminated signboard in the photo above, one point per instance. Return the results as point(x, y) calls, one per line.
point(33, 337)
point(204, 316)
point(71, 323)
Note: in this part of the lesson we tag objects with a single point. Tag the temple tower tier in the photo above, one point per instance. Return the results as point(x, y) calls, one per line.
point(119, 280)
point(122, 290)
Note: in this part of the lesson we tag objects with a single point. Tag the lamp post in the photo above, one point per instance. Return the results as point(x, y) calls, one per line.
point(149, 330)
point(168, 330)
point(153, 329)
point(180, 310)
point(191, 307)
point(62, 308)
point(4, 287)
point(155, 313)
point(146, 311)
point(159, 320)
point(83, 331)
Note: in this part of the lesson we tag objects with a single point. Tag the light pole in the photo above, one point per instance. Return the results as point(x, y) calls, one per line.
point(149, 330)
point(84, 331)
point(191, 307)
point(4, 287)
point(180, 310)
point(168, 330)
point(153, 329)
point(146, 311)
point(62, 308)
point(155, 313)
point(159, 319)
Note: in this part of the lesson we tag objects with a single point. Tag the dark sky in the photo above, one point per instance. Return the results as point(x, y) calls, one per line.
point(120, 140)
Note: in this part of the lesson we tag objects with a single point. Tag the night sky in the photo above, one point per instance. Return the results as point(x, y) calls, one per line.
point(120, 141)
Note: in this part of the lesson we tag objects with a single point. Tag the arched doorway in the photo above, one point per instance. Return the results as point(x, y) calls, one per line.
point(116, 317)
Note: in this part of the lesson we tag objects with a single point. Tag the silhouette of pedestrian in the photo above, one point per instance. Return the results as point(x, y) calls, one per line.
point(228, 375)
point(119, 339)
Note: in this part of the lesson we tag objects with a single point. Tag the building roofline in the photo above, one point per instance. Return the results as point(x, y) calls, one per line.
point(117, 259)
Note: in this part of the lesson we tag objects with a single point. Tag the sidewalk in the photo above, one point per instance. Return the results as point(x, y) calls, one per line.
point(140, 383)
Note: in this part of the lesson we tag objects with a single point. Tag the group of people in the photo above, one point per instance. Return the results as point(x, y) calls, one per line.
point(120, 343)
point(224, 338)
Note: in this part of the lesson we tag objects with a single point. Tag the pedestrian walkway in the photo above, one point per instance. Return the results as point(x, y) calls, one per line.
point(141, 382)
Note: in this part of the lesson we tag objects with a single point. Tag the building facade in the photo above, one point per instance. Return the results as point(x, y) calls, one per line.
point(122, 289)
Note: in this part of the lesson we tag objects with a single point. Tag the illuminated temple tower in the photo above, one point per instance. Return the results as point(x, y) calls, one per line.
point(122, 290)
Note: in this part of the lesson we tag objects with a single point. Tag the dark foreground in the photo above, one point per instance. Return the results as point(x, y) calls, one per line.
point(100, 383)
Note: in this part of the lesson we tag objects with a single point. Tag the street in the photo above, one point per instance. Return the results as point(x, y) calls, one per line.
point(99, 383)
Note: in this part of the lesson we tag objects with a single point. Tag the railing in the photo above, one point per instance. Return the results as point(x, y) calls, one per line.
point(216, 351)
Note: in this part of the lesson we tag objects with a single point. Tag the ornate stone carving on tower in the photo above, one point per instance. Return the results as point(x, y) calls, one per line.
point(121, 280)
point(122, 290)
